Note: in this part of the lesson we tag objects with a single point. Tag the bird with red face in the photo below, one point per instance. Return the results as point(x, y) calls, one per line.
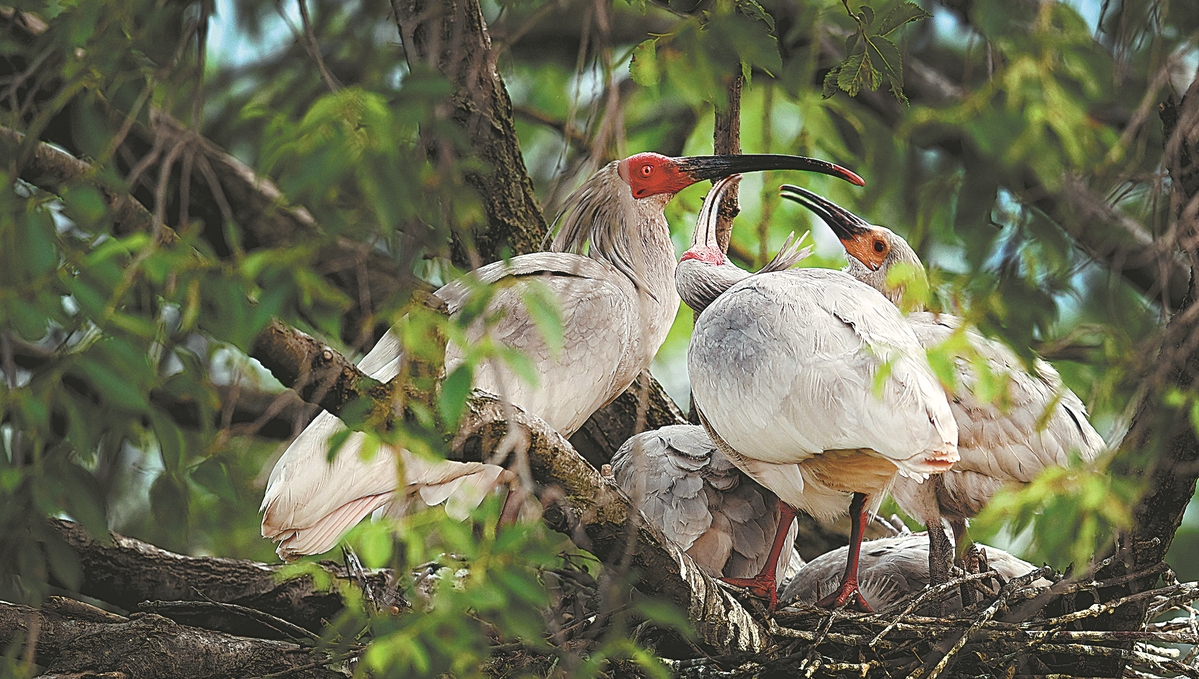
point(1037, 422)
point(611, 271)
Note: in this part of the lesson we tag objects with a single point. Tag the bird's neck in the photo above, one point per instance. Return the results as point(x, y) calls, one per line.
point(699, 282)
point(652, 254)
point(878, 281)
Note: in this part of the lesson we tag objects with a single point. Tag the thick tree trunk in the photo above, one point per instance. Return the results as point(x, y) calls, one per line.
point(1161, 447)
point(126, 573)
point(451, 37)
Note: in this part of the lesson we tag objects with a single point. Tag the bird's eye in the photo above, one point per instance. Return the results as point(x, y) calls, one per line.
point(879, 246)
point(647, 170)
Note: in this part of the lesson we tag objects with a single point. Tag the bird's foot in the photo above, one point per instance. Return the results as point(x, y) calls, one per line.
point(973, 559)
point(848, 596)
point(763, 586)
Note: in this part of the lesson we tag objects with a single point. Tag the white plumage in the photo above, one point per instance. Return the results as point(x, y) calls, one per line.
point(1036, 423)
point(612, 275)
point(814, 385)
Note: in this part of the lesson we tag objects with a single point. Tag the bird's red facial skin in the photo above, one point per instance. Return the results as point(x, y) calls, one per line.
point(870, 248)
point(706, 255)
point(651, 174)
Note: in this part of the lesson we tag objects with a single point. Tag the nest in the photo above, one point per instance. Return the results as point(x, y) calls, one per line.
point(1006, 629)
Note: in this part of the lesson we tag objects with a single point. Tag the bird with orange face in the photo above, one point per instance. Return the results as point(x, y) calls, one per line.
point(1037, 421)
point(611, 273)
point(814, 385)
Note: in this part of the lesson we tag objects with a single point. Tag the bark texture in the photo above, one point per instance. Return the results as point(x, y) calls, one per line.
point(451, 37)
point(726, 140)
point(597, 516)
point(70, 638)
point(126, 572)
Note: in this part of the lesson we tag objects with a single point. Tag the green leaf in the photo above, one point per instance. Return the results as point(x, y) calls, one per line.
point(753, 10)
point(853, 73)
point(455, 390)
point(886, 56)
point(644, 66)
point(213, 475)
point(169, 500)
point(903, 13)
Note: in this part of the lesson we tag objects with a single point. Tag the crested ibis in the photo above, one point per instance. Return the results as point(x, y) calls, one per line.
point(891, 569)
point(1037, 424)
point(705, 505)
point(814, 385)
point(611, 271)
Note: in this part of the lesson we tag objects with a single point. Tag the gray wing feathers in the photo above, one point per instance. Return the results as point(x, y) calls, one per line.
point(889, 569)
point(691, 491)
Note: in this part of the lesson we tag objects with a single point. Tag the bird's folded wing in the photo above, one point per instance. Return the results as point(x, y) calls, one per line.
point(662, 472)
point(595, 359)
point(1035, 421)
point(829, 364)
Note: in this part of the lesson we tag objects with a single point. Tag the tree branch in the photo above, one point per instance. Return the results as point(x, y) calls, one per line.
point(601, 519)
point(125, 572)
point(451, 37)
point(69, 637)
point(1161, 445)
point(726, 140)
point(592, 510)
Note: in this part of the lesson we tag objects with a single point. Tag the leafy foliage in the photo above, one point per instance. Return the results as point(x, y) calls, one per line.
point(871, 55)
point(124, 353)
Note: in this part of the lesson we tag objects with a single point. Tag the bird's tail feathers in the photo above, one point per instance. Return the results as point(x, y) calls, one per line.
point(322, 535)
point(936, 460)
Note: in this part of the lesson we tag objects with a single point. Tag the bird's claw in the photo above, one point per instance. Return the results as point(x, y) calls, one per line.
point(764, 587)
point(848, 596)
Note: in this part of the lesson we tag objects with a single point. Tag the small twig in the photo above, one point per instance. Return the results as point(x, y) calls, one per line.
point(930, 595)
point(288, 629)
point(314, 50)
point(987, 614)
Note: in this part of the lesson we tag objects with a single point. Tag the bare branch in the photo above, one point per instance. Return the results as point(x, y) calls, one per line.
point(68, 637)
point(126, 572)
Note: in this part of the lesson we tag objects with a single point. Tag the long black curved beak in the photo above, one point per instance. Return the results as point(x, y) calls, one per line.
point(705, 224)
point(844, 223)
point(700, 168)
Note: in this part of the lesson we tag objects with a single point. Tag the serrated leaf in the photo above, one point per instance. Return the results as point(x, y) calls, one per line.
point(886, 56)
point(644, 65)
point(903, 13)
point(830, 82)
point(852, 73)
point(753, 10)
point(866, 14)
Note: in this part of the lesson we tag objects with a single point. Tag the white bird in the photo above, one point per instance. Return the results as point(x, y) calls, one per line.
point(814, 385)
point(1036, 423)
point(891, 569)
point(611, 273)
point(705, 505)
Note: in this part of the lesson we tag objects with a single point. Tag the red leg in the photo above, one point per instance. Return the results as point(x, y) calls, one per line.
point(848, 593)
point(764, 584)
